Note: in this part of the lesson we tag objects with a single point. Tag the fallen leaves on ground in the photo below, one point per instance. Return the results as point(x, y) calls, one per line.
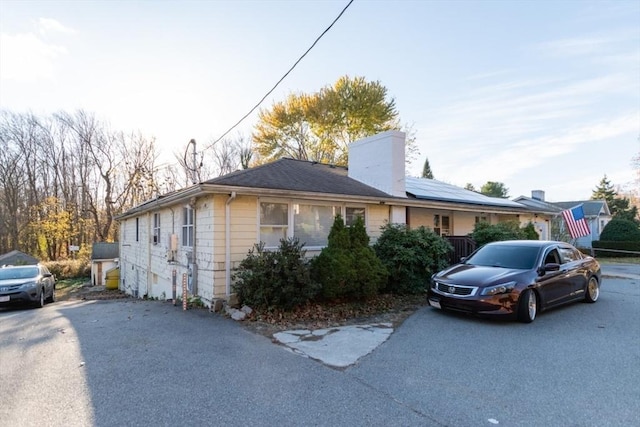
point(393, 309)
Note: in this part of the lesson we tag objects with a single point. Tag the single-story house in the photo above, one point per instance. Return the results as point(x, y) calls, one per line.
point(104, 257)
point(596, 212)
point(200, 234)
point(17, 257)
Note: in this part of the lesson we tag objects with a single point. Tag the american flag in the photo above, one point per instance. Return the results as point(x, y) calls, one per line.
point(576, 222)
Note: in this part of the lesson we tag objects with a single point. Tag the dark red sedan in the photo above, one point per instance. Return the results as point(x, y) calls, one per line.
point(516, 278)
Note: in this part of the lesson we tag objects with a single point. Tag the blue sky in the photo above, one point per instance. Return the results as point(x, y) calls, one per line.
point(535, 94)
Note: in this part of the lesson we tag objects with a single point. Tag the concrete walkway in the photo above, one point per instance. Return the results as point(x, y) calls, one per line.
point(338, 347)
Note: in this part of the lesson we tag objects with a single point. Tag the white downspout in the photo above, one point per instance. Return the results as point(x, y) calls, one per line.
point(227, 244)
point(149, 254)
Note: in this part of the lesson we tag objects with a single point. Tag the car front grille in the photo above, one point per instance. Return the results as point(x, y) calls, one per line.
point(459, 290)
point(9, 288)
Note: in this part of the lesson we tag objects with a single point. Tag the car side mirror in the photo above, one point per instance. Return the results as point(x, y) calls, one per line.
point(463, 259)
point(552, 266)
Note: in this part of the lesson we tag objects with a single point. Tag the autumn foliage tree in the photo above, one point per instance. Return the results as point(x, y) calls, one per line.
point(495, 189)
point(320, 126)
point(63, 179)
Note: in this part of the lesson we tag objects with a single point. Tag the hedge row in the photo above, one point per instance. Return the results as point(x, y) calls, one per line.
point(615, 249)
point(69, 269)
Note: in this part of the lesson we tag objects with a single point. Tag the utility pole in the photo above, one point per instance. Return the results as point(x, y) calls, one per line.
point(194, 164)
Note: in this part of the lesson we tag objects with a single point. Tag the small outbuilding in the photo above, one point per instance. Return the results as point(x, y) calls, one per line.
point(104, 257)
point(16, 257)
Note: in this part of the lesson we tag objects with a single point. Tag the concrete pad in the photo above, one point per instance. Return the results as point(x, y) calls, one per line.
point(340, 346)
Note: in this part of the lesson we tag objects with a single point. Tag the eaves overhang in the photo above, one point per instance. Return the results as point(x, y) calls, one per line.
point(199, 190)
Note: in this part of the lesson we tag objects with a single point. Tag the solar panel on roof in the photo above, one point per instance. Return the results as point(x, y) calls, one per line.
point(432, 189)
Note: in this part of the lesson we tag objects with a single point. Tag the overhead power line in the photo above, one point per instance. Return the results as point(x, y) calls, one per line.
point(283, 77)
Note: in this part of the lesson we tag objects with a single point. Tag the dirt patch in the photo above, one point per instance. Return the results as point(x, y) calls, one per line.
point(87, 291)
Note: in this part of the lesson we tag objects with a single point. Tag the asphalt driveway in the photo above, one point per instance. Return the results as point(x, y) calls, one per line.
point(144, 363)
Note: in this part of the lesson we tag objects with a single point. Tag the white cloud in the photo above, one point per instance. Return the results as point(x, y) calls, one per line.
point(25, 57)
point(47, 25)
point(29, 57)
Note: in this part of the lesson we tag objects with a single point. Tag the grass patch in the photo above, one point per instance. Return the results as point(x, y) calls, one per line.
point(71, 283)
point(628, 260)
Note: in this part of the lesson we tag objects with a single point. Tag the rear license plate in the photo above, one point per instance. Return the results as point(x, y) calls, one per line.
point(5, 298)
point(434, 303)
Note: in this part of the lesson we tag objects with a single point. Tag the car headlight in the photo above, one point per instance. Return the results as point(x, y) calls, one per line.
point(28, 285)
point(502, 288)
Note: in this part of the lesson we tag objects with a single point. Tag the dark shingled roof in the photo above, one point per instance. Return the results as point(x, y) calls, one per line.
point(104, 250)
point(590, 207)
point(16, 257)
point(299, 175)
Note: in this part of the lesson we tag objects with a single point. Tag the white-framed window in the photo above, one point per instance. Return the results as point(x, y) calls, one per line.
point(308, 222)
point(187, 226)
point(312, 223)
point(274, 223)
point(137, 229)
point(441, 225)
point(352, 213)
point(481, 219)
point(156, 228)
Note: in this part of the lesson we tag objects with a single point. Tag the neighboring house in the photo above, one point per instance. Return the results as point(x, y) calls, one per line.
point(104, 257)
point(596, 213)
point(199, 235)
point(16, 257)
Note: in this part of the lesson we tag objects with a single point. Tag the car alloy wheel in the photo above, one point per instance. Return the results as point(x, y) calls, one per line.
point(40, 302)
point(593, 290)
point(527, 306)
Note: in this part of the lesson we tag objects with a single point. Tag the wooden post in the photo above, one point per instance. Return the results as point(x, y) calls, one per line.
point(184, 291)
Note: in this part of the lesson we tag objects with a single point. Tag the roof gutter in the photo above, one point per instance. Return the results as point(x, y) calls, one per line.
point(203, 188)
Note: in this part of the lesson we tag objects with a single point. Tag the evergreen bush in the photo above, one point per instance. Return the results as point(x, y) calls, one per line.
point(484, 233)
point(348, 267)
point(275, 279)
point(620, 230)
point(530, 232)
point(411, 257)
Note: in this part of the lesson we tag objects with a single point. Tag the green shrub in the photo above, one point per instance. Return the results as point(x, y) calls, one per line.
point(411, 256)
point(348, 268)
point(530, 232)
point(611, 249)
point(620, 230)
point(275, 279)
point(70, 269)
point(484, 233)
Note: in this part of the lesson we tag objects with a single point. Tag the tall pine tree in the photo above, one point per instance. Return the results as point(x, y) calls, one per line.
point(426, 170)
point(619, 206)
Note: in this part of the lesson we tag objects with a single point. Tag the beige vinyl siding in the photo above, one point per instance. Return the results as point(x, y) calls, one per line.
point(377, 217)
point(218, 261)
point(243, 235)
point(419, 217)
point(464, 222)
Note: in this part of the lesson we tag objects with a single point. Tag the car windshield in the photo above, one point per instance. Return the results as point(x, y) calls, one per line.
point(18, 273)
point(506, 256)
